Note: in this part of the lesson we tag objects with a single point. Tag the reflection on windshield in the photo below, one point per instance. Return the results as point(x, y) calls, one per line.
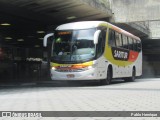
point(74, 45)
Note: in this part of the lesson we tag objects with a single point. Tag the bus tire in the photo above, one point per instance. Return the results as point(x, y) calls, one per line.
point(132, 78)
point(107, 81)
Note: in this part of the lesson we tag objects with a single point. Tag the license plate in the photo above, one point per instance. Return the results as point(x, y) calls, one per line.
point(70, 76)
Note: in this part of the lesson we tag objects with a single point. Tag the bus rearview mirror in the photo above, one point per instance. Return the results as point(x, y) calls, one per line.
point(46, 38)
point(96, 35)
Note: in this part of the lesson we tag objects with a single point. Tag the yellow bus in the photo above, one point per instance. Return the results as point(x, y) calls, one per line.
point(94, 50)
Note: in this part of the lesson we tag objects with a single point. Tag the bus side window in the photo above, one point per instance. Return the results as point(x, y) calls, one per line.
point(135, 44)
point(118, 39)
point(111, 38)
point(139, 46)
point(125, 41)
point(130, 42)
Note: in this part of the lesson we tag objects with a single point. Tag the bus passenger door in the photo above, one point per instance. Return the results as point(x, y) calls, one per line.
point(101, 61)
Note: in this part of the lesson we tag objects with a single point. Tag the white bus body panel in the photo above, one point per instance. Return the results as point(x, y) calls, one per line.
point(95, 73)
point(126, 71)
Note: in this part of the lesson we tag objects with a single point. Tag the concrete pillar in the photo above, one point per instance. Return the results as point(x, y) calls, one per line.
point(154, 27)
point(135, 10)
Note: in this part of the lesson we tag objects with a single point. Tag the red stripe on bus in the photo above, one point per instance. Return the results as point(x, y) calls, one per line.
point(133, 56)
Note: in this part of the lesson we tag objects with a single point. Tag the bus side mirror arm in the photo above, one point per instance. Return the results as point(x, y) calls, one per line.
point(46, 38)
point(96, 36)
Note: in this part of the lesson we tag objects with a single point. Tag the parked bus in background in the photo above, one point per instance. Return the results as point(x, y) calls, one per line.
point(94, 50)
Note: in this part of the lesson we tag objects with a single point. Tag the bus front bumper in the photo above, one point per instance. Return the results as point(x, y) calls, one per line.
point(84, 75)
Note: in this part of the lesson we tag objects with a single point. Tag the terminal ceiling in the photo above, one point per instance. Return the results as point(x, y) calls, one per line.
point(29, 18)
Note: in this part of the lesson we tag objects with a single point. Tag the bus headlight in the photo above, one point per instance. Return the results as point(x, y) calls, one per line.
point(92, 66)
point(53, 68)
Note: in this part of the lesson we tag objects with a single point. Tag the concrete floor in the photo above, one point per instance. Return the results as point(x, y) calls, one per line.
point(141, 95)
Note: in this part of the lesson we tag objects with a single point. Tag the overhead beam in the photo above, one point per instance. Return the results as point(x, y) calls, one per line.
point(99, 5)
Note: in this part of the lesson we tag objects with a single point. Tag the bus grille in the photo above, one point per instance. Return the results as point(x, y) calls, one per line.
point(69, 70)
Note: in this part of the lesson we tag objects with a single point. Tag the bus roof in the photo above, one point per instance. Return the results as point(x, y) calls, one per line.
point(79, 25)
point(122, 31)
point(94, 24)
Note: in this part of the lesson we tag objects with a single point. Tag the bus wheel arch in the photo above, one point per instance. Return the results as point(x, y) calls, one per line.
point(132, 78)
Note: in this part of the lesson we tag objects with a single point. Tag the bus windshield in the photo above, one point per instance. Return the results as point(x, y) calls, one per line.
point(73, 46)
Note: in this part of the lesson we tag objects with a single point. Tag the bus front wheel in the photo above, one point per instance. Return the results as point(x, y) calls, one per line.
point(107, 81)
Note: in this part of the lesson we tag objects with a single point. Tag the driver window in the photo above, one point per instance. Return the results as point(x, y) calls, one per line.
point(101, 43)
